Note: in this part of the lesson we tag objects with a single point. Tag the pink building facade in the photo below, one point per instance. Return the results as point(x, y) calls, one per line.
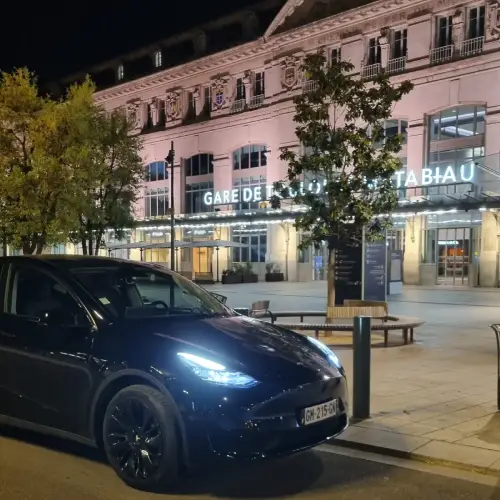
point(229, 113)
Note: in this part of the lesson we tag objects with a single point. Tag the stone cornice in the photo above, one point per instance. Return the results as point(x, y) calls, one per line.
point(387, 12)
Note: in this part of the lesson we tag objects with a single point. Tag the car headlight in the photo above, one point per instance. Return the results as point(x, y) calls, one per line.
point(213, 372)
point(332, 357)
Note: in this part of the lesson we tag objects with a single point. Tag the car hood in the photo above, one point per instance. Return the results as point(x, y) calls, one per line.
point(264, 351)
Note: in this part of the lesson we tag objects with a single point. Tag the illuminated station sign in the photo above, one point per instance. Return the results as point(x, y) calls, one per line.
point(403, 179)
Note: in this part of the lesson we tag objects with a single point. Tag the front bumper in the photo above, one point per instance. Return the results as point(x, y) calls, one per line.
point(270, 428)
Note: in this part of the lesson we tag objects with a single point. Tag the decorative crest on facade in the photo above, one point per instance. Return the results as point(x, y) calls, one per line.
point(173, 105)
point(219, 93)
point(289, 72)
point(493, 25)
point(133, 109)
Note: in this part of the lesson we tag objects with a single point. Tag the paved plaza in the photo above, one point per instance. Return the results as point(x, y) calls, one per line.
point(435, 399)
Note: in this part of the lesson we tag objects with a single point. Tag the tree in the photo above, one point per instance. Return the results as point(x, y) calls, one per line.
point(346, 157)
point(110, 176)
point(39, 143)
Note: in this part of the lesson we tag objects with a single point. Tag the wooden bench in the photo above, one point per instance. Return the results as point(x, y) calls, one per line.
point(204, 278)
point(368, 303)
point(349, 312)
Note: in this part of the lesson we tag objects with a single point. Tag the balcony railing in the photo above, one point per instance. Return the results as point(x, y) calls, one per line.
point(441, 54)
point(309, 85)
point(238, 106)
point(257, 100)
point(371, 70)
point(472, 47)
point(396, 65)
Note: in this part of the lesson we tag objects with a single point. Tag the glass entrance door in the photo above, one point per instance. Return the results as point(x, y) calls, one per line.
point(454, 256)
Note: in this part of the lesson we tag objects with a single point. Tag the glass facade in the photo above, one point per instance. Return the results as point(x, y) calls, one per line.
point(255, 244)
point(457, 122)
point(253, 156)
point(156, 171)
point(200, 164)
point(156, 202)
point(249, 182)
point(194, 197)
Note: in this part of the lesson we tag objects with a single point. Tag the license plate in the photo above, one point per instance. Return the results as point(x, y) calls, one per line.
point(318, 413)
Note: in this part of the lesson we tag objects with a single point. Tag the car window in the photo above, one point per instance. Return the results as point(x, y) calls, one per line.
point(35, 294)
point(130, 290)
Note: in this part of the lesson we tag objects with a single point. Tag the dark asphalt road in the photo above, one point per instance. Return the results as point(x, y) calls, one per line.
point(34, 468)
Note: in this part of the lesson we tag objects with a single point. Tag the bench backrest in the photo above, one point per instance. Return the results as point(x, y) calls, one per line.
point(367, 303)
point(349, 312)
point(186, 274)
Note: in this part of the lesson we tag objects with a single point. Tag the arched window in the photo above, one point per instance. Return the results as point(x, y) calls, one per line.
point(120, 72)
point(158, 59)
point(252, 156)
point(459, 122)
point(200, 164)
point(156, 171)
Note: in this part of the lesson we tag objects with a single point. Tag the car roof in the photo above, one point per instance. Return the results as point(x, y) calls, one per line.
point(63, 261)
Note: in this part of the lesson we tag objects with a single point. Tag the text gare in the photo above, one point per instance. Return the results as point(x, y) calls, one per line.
point(428, 177)
point(252, 194)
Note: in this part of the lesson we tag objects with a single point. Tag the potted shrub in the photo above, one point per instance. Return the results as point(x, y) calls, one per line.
point(231, 276)
point(248, 275)
point(273, 272)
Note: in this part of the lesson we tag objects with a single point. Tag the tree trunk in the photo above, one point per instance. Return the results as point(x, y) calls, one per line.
point(84, 246)
point(28, 246)
point(98, 240)
point(330, 277)
point(4, 243)
point(90, 247)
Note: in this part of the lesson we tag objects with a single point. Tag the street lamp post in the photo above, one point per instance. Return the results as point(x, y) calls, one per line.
point(170, 159)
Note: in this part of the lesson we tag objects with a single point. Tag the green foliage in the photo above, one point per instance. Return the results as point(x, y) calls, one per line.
point(109, 178)
point(39, 144)
point(339, 123)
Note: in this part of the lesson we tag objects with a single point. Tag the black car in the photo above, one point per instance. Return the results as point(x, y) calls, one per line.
point(154, 369)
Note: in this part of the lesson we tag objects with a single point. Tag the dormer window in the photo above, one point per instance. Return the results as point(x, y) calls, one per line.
point(158, 59)
point(120, 72)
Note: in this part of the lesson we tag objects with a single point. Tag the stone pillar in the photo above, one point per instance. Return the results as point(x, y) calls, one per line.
point(488, 272)
point(196, 102)
point(385, 48)
point(458, 30)
point(279, 238)
point(411, 262)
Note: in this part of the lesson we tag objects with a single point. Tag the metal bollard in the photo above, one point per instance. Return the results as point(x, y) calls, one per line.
point(496, 329)
point(362, 367)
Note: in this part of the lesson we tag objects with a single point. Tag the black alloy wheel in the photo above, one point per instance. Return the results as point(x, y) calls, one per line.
point(140, 439)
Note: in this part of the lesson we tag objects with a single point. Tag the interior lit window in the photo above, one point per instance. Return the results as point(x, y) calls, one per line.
point(158, 59)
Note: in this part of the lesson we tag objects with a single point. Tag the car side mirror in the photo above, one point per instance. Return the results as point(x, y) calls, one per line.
point(219, 297)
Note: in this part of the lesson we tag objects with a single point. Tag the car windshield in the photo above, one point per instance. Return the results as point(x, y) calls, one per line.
point(140, 291)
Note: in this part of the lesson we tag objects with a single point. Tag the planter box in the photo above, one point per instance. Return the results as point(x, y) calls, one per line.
point(250, 278)
point(275, 277)
point(231, 279)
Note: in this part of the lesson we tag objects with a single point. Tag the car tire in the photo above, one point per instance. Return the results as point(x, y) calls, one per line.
point(140, 438)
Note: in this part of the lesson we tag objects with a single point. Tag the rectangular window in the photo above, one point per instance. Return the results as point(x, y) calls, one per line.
point(207, 100)
point(259, 87)
point(194, 197)
point(249, 197)
point(374, 52)
point(335, 55)
point(191, 106)
point(476, 23)
point(255, 245)
point(156, 202)
point(400, 44)
point(444, 36)
point(240, 90)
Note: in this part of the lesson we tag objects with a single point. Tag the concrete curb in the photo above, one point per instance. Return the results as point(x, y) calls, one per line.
point(409, 455)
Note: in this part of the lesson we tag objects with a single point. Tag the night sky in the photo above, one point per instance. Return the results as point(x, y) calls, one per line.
point(66, 37)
